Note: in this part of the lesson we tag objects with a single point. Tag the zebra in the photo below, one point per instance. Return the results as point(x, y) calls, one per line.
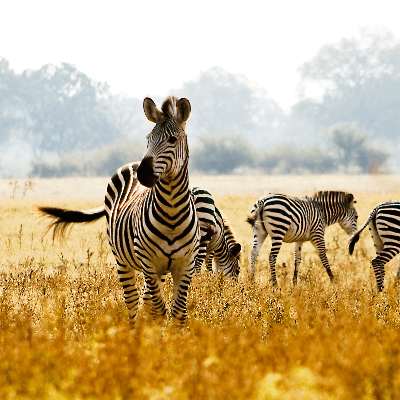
point(384, 227)
point(205, 209)
point(290, 219)
point(152, 223)
point(224, 250)
point(220, 244)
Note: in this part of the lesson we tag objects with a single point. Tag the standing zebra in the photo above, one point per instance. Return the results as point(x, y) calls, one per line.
point(384, 227)
point(221, 244)
point(151, 219)
point(289, 219)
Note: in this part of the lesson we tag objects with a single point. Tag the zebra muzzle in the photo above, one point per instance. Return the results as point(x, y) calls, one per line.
point(146, 174)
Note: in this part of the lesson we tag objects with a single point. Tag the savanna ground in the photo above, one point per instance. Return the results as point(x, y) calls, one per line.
point(64, 328)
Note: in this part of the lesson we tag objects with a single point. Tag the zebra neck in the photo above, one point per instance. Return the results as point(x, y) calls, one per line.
point(330, 212)
point(173, 194)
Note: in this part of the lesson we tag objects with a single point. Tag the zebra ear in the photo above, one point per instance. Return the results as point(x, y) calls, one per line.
point(235, 249)
point(349, 198)
point(151, 111)
point(183, 110)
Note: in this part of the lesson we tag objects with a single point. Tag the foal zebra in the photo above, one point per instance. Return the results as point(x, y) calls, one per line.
point(289, 219)
point(384, 227)
point(151, 218)
point(222, 245)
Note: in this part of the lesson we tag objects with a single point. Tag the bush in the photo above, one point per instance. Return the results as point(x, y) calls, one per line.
point(222, 154)
point(99, 162)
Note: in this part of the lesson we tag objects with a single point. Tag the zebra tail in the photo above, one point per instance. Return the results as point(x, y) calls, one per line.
point(64, 218)
point(353, 240)
point(255, 212)
point(356, 237)
point(250, 220)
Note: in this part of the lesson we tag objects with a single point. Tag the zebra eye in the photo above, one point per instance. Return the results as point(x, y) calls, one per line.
point(172, 140)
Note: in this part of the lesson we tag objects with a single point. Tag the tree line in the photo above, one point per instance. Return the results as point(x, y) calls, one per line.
point(64, 123)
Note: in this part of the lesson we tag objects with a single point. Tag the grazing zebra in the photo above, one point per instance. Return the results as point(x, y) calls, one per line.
point(224, 250)
point(384, 227)
point(151, 218)
point(205, 209)
point(221, 244)
point(289, 219)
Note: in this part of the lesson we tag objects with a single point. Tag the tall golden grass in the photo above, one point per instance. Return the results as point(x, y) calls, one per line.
point(65, 333)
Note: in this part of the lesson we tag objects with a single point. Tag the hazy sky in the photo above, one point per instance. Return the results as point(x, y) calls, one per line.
point(148, 47)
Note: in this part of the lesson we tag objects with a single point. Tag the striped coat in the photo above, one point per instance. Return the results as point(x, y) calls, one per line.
point(298, 220)
point(151, 218)
point(384, 227)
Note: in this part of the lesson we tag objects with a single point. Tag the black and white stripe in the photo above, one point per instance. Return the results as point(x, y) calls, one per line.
point(384, 227)
point(290, 219)
point(205, 209)
point(223, 249)
point(221, 246)
point(151, 219)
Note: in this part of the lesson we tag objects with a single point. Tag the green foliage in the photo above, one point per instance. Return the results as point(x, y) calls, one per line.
point(292, 158)
point(352, 148)
point(99, 162)
point(56, 109)
point(358, 79)
point(223, 102)
point(222, 154)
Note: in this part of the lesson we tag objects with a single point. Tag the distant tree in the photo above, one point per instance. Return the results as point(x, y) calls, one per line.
point(65, 111)
point(353, 149)
point(358, 79)
point(98, 162)
point(223, 102)
point(222, 154)
point(293, 158)
point(55, 109)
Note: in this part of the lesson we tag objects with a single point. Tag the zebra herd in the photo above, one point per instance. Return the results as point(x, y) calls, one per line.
point(158, 224)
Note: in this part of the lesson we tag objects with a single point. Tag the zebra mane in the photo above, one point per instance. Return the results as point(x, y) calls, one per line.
point(168, 107)
point(329, 195)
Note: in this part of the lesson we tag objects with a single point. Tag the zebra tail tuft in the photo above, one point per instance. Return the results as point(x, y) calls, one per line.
point(64, 218)
point(250, 220)
point(353, 240)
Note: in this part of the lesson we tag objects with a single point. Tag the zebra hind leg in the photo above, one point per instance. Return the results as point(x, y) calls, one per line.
point(379, 271)
point(297, 261)
point(276, 246)
point(379, 262)
point(260, 235)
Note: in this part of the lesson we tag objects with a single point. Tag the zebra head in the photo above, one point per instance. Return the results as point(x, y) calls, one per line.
point(167, 149)
point(349, 221)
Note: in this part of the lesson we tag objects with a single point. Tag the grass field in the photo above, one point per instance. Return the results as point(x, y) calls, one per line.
point(65, 334)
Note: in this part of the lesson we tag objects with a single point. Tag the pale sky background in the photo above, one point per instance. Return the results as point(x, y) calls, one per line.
point(150, 47)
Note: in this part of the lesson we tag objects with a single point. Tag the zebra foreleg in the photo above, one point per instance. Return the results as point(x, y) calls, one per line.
point(297, 261)
point(208, 261)
point(153, 286)
point(181, 283)
point(319, 244)
point(127, 277)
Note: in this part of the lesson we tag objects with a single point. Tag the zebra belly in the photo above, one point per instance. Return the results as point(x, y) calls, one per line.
point(294, 233)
